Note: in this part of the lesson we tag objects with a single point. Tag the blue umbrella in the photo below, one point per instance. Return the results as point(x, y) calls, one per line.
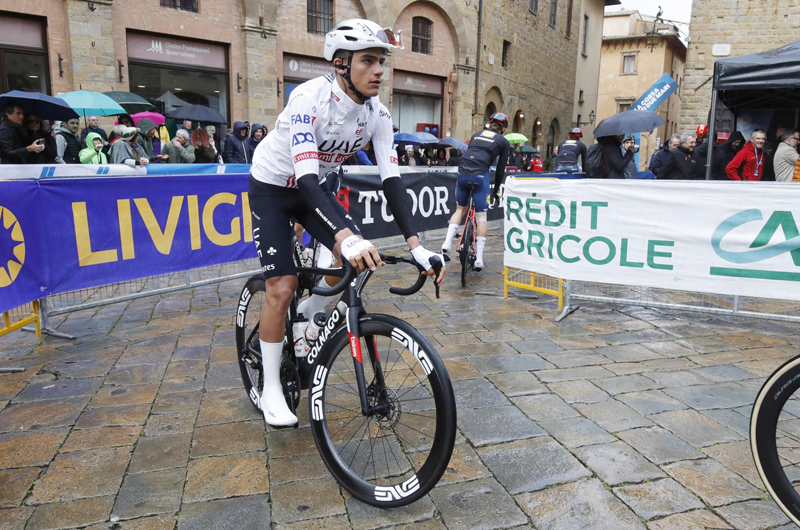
point(426, 138)
point(630, 121)
point(42, 105)
point(458, 144)
point(87, 103)
point(405, 138)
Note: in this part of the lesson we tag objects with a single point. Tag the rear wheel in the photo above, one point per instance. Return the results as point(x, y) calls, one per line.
point(248, 347)
point(466, 249)
point(399, 450)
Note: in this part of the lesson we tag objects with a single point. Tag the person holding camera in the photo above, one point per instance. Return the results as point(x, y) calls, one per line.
point(37, 133)
point(14, 147)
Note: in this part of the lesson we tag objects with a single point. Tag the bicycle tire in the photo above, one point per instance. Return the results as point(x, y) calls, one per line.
point(248, 348)
point(411, 471)
point(778, 390)
point(466, 245)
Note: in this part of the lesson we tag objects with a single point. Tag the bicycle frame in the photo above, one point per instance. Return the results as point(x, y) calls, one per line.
point(470, 219)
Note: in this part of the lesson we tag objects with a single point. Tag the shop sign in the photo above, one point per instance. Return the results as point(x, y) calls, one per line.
point(416, 83)
point(17, 31)
point(162, 49)
point(303, 68)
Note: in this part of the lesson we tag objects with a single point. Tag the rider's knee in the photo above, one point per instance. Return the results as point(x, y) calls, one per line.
point(280, 290)
point(480, 217)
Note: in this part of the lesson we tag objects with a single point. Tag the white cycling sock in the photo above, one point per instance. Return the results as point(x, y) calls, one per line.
point(273, 402)
point(479, 258)
point(315, 303)
point(448, 241)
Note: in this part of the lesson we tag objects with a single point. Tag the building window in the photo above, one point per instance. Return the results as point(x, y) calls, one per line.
point(533, 7)
point(568, 33)
point(622, 107)
point(580, 96)
point(506, 50)
point(585, 43)
point(421, 35)
point(553, 12)
point(320, 16)
point(578, 122)
point(629, 63)
point(183, 5)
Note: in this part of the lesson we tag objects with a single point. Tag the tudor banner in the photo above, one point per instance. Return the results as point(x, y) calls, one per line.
point(711, 237)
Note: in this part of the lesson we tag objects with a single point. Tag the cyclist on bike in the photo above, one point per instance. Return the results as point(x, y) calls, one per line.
point(570, 151)
point(484, 147)
point(326, 120)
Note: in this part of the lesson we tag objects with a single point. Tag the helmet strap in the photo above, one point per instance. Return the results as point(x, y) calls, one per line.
point(346, 76)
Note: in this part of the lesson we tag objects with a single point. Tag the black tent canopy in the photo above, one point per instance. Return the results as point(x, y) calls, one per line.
point(766, 80)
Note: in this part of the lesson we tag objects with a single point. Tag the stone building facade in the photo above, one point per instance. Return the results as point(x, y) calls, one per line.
point(244, 56)
point(730, 28)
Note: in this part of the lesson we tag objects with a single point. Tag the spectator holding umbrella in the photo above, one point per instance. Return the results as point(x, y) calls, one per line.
point(68, 143)
point(36, 130)
point(94, 127)
point(203, 150)
point(614, 161)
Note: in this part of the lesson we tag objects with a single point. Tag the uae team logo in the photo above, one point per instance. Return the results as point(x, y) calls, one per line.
point(12, 247)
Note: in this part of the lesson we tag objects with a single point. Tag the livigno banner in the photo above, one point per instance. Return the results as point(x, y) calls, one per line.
point(713, 237)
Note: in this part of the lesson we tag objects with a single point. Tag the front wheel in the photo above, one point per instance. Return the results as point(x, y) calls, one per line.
point(466, 248)
point(775, 438)
point(396, 452)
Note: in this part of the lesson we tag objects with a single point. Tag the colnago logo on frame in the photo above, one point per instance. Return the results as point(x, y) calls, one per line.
point(749, 239)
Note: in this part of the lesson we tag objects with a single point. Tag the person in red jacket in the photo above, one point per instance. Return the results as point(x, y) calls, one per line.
point(750, 159)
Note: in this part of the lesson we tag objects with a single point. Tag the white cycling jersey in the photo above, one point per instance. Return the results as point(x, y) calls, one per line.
point(319, 128)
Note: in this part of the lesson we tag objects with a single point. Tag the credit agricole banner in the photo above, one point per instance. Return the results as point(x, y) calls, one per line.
point(713, 237)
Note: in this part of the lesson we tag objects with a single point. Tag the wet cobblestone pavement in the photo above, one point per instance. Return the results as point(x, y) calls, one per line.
point(617, 418)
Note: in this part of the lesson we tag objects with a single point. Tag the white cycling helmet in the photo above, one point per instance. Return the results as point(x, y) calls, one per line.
point(358, 34)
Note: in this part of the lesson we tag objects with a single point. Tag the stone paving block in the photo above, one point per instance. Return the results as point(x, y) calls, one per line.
point(576, 358)
point(306, 499)
point(680, 363)
point(536, 345)
point(66, 388)
point(613, 416)
point(651, 402)
point(109, 396)
point(82, 474)
point(724, 373)
point(337, 522)
point(714, 483)
point(729, 357)
point(35, 448)
point(583, 504)
point(517, 383)
point(153, 453)
point(677, 378)
point(627, 368)
point(192, 352)
point(688, 521)
point(290, 442)
point(14, 519)
point(579, 392)
point(160, 424)
point(41, 414)
point(104, 437)
point(238, 513)
point(695, 428)
point(738, 457)
point(477, 393)
point(629, 337)
point(628, 353)
point(576, 342)
point(464, 465)
point(80, 512)
point(226, 406)
point(529, 465)
point(459, 369)
point(709, 344)
point(571, 374)
point(494, 425)
point(302, 467)
point(150, 493)
point(193, 367)
point(178, 402)
point(576, 432)
point(113, 416)
point(15, 483)
point(617, 463)
point(751, 339)
point(366, 517)
point(658, 445)
point(223, 376)
point(494, 364)
point(732, 420)
point(545, 407)
point(226, 476)
point(139, 374)
point(714, 396)
point(228, 438)
point(623, 384)
point(753, 515)
point(669, 348)
point(487, 349)
point(657, 498)
point(478, 505)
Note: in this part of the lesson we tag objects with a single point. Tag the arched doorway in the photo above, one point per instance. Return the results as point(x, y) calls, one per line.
point(519, 122)
point(490, 109)
point(536, 134)
point(553, 135)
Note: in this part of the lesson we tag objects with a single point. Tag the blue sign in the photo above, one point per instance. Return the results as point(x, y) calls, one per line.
point(656, 94)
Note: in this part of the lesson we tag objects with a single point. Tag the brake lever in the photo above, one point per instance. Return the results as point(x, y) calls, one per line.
point(436, 265)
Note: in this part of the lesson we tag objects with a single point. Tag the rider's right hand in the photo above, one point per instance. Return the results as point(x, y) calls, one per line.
point(360, 253)
point(494, 200)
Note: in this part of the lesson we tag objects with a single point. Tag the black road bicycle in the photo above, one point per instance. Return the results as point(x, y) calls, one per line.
point(775, 437)
point(381, 406)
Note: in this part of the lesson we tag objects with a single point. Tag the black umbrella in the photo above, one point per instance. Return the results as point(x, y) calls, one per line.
point(40, 104)
point(196, 113)
point(630, 121)
point(131, 102)
point(441, 144)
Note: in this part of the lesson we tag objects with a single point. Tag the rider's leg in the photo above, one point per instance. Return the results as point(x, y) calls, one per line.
point(316, 303)
point(455, 222)
point(280, 291)
point(480, 238)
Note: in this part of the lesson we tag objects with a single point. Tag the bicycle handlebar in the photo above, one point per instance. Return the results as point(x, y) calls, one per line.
point(348, 273)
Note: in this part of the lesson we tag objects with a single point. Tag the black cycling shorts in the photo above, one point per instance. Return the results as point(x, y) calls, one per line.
point(272, 207)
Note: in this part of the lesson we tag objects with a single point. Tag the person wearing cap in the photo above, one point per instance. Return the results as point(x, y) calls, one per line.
point(147, 130)
point(126, 150)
